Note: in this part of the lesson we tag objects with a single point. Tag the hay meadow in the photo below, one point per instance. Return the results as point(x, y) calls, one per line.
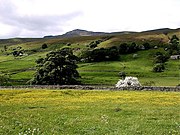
point(88, 112)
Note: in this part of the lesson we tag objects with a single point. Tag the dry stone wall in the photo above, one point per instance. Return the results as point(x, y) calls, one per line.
point(88, 87)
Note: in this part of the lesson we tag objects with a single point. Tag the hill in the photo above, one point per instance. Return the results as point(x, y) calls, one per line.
point(21, 68)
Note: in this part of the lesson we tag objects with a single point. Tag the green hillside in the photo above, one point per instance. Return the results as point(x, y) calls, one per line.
point(20, 69)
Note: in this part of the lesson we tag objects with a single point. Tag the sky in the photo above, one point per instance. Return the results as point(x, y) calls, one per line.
point(38, 18)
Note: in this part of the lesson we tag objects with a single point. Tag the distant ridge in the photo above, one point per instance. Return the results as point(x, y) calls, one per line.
point(162, 30)
point(156, 36)
point(80, 32)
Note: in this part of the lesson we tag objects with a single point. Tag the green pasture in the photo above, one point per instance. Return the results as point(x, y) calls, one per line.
point(77, 112)
point(107, 72)
point(21, 69)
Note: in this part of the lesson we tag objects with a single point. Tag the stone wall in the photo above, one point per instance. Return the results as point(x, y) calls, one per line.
point(87, 87)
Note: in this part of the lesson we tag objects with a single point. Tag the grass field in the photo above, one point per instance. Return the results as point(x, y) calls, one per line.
point(99, 73)
point(75, 112)
point(106, 73)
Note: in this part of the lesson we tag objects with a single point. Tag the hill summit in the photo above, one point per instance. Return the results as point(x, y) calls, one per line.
point(79, 32)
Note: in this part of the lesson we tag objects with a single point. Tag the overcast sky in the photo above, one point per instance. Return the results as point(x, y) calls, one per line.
point(37, 18)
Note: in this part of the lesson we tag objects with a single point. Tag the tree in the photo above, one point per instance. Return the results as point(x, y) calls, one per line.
point(159, 67)
point(44, 46)
point(112, 53)
point(160, 58)
point(5, 48)
point(123, 48)
point(58, 67)
point(159, 61)
point(146, 45)
point(174, 47)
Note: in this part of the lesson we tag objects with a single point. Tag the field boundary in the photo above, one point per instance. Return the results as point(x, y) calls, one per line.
point(90, 87)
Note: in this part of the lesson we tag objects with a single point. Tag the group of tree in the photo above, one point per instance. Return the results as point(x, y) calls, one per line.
point(100, 54)
point(94, 44)
point(125, 48)
point(174, 46)
point(94, 54)
point(161, 58)
point(18, 51)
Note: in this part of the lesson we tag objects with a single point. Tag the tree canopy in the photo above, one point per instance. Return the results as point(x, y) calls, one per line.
point(174, 47)
point(58, 67)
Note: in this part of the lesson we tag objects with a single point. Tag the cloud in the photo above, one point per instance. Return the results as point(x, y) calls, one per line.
point(36, 18)
point(33, 25)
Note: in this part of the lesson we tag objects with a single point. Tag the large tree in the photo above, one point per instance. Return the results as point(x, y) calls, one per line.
point(58, 67)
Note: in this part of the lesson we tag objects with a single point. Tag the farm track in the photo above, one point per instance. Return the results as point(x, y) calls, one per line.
point(90, 87)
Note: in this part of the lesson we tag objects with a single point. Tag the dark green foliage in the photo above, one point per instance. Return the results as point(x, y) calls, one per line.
point(112, 53)
point(160, 58)
point(4, 79)
point(133, 47)
point(174, 47)
point(40, 60)
point(125, 48)
point(146, 45)
point(122, 75)
point(17, 53)
point(174, 37)
point(159, 67)
point(101, 54)
point(159, 61)
point(68, 44)
point(5, 48)
point(44, 46)
point(58, 67)
point(94, 44)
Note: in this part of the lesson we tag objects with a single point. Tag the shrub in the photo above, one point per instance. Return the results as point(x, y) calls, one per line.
point(4, 79)
point(146, 45)
point(160, 58)
point(122, 75)
point(159, 67)
point(44, 46)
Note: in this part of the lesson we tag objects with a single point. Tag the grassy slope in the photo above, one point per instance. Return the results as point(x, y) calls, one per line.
point(22, 68)
point(141, 67)
point(89, 112)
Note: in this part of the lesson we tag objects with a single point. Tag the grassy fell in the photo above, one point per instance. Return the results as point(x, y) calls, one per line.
point(89, 112)
point(102, 73)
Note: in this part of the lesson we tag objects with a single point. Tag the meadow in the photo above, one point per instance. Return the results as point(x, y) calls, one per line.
point(77, 112)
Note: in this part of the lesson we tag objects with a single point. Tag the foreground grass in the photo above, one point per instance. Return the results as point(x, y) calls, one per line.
point(89, 112)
